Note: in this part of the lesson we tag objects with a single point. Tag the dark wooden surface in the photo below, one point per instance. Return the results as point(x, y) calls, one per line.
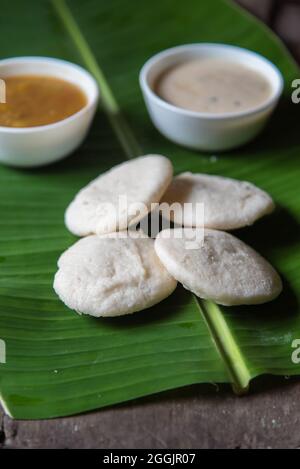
point(283, 16)
point(196, 417)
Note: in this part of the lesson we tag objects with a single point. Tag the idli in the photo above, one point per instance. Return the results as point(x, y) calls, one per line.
point(120, 197)
point(220, 267)
point(112, 275)
point(228, 203)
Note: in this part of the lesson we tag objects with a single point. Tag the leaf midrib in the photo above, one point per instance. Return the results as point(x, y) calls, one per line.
point(221, 335)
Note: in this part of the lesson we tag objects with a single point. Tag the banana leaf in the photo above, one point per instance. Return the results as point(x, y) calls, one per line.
point(58, 363)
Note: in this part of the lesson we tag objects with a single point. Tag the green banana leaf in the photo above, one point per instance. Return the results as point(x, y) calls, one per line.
point(59, 363)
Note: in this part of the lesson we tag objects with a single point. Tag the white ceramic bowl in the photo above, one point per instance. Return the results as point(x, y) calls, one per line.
point(207, 131)
point(37, 146)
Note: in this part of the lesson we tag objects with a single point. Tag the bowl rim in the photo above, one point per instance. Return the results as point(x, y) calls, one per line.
point(52, 60)
point(160, 56)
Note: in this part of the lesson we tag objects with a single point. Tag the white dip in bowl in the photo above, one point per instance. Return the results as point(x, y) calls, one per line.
point(210, 97)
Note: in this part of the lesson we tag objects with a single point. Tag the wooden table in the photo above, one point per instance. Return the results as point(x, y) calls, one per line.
point(194, 417)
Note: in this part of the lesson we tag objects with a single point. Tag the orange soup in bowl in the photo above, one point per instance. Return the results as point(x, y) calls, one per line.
point(35, 100)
